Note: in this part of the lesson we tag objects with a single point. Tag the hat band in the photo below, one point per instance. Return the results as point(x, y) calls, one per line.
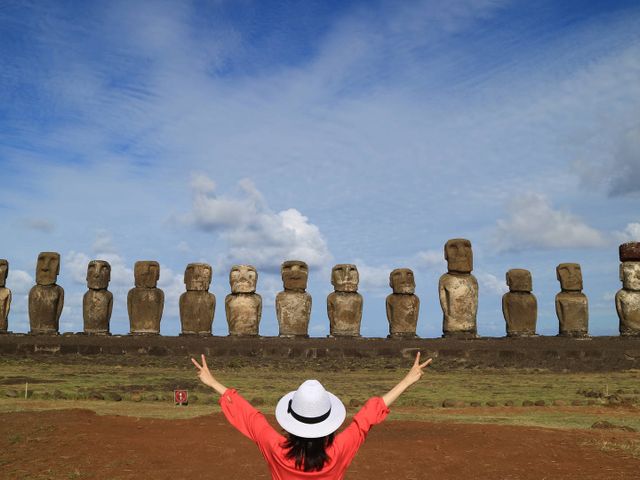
point(309, 420)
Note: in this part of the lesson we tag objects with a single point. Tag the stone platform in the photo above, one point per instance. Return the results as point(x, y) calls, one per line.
point(552, 353)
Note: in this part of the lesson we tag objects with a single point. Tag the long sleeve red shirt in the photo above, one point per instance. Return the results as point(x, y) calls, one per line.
point(251, 423)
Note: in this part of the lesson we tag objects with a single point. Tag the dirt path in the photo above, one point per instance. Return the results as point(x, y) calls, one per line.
point(78, 444)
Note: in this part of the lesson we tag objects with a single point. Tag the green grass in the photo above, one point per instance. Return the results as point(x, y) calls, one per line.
point(72, 379)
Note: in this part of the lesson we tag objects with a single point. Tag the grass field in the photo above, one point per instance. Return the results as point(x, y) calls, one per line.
point(143, 387)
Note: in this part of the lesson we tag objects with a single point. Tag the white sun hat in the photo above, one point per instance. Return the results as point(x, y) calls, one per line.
point(310, 411)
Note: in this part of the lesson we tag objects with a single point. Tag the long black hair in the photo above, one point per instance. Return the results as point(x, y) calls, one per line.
point(309, 453)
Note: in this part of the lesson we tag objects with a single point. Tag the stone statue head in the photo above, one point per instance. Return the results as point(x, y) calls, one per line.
point(630, 252)
point(570, 277)
point(4, 271)
point(48, 268)
point(197, 276)
point(459, 256)
point(243, 279)
point(98, 274)
point(519, 280)
point(630, 275)
point(345, 278)
point(146, 273)
point(402, 281)
point(294, 275)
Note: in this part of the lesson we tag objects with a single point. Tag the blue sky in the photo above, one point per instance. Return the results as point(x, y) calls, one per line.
point(331, 132)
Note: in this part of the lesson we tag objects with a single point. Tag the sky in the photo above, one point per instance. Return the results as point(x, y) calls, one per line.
point(366, 132)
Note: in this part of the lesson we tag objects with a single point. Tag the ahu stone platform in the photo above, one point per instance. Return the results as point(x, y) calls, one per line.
point(549, 353)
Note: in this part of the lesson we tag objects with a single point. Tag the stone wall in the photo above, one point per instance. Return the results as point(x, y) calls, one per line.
point(553, 353)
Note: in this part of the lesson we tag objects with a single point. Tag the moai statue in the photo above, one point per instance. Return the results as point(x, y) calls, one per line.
point(458, 290)
point(145, 302)
point(519, 305)
point(243, 305)
point(402, 305)
point(197, 305)
point(628, 297)
point(46, 299)
point(97, 303)
point(5, 297)
point(293, 305)
point(572, 306)
point(344, 305)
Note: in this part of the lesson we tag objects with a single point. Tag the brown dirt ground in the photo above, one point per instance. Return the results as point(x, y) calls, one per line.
point(78, 444)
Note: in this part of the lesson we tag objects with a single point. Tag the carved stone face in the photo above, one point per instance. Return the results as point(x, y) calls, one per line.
point(48, 268)
point(630, 275)
point(98, 274)
point(4, 271)
point(459, 256)
point(402, 281)
point(570, 277)
point(294, 275)
point(243, 279)
point(197, 276)
point(345, 278)
point(519, 280)
point(146, 273)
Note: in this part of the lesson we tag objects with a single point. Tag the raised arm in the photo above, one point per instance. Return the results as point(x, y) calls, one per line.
point(412, 377)
point(205, 376)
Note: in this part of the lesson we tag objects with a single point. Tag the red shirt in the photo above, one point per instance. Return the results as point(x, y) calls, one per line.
point(254, 425)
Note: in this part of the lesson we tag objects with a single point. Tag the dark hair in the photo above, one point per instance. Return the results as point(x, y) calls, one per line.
point(309, 453)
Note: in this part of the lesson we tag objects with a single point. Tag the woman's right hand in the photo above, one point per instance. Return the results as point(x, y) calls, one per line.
point(205, 375)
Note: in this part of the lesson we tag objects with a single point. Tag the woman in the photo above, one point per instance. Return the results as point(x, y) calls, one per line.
point(310, 416)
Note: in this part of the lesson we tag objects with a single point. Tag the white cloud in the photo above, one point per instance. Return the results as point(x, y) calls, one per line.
point(39, 224)
point(103, 243)
point(534, 223)
point(253, 232)
point(19, 282)
point(491, 283)
point(374, 279)
point(617, 169)
point(631, 233)
point(75, 263)
point(431, 259)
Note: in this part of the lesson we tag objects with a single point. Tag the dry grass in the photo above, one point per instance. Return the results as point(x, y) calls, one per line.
point(73, 379)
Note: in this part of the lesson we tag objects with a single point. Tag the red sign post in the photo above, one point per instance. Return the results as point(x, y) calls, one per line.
point(180, 397)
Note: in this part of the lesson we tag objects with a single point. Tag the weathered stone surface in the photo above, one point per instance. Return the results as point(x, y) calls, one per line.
point(243, 306)
point(145, 302)
point(293, 305)
point(5, 296)
point(458, 290)
point(628, 298)
point(459, 255)
point(197, 305)
point(572, 307)
point(97, 303)
point(519, 305)
point(403, 306)
point(344, 305)
point(46, 299)
point(629, 252)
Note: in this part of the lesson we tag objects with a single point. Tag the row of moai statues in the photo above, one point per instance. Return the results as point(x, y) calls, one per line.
point(458, 293)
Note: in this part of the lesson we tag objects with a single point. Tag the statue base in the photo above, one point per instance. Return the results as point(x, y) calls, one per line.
point(196, 334)
point(461, 334)
point(576, 335)
point(43, 332)
point(402, 336)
